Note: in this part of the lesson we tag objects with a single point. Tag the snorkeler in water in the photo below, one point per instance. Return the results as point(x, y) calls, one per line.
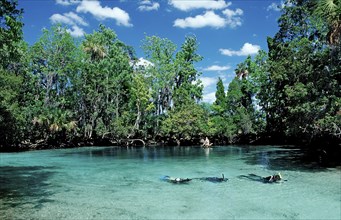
point(273, 178)
point(176, 180)
point(269, 179)
point(185, 180)
point(215, 179)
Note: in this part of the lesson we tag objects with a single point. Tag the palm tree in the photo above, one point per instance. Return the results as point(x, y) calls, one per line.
point(241, 70)
point(94, 48)
point(56, 121)
point(330, 11)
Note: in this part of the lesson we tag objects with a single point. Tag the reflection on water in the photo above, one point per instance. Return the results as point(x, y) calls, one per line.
point(124, 183)
point(284, 158)
point(144, 153)
point(207, 152)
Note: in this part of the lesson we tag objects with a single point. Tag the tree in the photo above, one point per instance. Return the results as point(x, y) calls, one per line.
point(219, 120)
point(160, 52)
point(12, 66)
point(106, 76)
point(50, 105)
point(220, 94)
point(330, 11)
point(10, 33)
point(242, 69)
point(174, 79)
point(140, 99)
point(187, 86)
point(184, 123)
point(236, 110)
point(258, 83)
point(303, 81)
point(10, 85)
point(244, 96)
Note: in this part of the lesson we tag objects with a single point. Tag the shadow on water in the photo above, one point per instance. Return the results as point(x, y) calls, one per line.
point(285, 158)
point(25, 185)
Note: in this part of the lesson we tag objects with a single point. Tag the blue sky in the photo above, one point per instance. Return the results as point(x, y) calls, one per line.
point(227, 31)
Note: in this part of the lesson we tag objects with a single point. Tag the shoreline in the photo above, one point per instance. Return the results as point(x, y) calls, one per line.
point(324, 153)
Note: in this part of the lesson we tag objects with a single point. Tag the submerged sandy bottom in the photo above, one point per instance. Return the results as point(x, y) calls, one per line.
point(120, 183)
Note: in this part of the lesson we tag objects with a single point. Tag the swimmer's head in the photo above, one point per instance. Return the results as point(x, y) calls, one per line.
point(278, 176)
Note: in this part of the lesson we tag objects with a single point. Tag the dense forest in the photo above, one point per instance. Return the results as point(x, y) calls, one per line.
point(62, 92)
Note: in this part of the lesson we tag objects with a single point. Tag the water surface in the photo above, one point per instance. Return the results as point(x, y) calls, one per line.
point(124, 183)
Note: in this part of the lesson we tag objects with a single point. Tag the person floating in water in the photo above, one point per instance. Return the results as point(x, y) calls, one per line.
point(273, 178)
point(176, 180)
point(269, 179)
point(215, 179)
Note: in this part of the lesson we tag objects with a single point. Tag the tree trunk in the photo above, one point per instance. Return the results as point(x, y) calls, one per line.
point(136, 126)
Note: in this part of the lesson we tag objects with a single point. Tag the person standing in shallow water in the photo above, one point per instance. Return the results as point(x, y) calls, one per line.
point(207, 143)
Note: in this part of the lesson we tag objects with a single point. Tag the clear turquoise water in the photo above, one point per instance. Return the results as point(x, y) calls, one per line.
point(121, 183)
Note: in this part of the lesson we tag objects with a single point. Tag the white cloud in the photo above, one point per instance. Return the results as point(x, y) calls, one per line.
point(71, 19)
point(67, 2)
point(58, 18)
point(274, 7)
point(230, 13)
point(247, 49)
point(76, 18)
point(68, 18)
point(278, 7)
point(147, 5)
point(211, 19)
point(209, 97)
point(142, 63)
point(187, 5)
point(232, 17)
point(94, 7)
point(76, 31)
point(216, 68)
point(208, 81)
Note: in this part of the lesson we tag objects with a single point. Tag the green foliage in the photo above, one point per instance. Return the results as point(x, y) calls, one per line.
point(10, 33)
point(49, 103)
point(10, 85)
point(238, 113)
point(12, 66)
point(106, 75)
point(185, 123)
point(220, 102)
point(140, 101)
point(59, 91)
point(187, 86)
point(330, 11)
point(304, 88)
point(173, 77)
point(161, 52)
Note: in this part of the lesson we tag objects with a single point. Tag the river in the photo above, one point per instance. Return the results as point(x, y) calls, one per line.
point(126, 183)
